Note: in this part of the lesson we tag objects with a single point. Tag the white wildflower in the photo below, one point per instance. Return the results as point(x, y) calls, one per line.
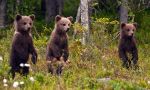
point(80, 40)
point(15, 84)
point(4, 80)
point(27, 65)
point(103, 79)
point(1, 58)
point(148, 82)
point(21, 83)
point(5, 85)
point(104, 69)
point(103, 57)
point(32, 79)
point(22, 65)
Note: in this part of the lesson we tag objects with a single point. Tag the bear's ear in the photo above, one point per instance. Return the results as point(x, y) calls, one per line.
point(32, 17)
point(57, 18)
point(70, 18)
point(123, 25)
point(18, 17)
point(135, 25)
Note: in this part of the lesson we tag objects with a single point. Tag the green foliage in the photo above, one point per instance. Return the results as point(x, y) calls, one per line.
point(90, 65)
point(70, 7)
point(24, 7)
point(143, 34)
point(95, 66)
point(105, 8)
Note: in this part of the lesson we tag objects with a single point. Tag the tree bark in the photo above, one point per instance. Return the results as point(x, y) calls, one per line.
point(53, 8)
point(78, 20)
point(3, 13)
point(123, 12)
point(84, 10)
point(78, 17)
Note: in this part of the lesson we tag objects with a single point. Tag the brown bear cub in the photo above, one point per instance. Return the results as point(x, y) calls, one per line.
point(22, 45)
point(57, 48)
point(127, 44)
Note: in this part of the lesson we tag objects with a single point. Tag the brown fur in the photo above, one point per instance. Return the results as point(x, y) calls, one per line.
point(127, 44)
point(57, 48)
point(22, 45)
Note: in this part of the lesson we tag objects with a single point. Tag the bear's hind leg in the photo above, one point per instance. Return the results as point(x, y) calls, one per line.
point(135, 59)
point(60, 66)
point(50, 67)
point(59, 70)
point(25, 71)
point(129, 63)
point(124, 58)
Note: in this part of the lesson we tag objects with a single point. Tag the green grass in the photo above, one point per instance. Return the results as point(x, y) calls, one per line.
point(89, 66)
point(95, 66)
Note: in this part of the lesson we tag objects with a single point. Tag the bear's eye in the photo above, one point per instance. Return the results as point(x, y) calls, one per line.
point(128, 30)
point(24, 23)
point(64, 24)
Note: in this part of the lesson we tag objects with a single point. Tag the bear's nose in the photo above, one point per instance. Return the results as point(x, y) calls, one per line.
point(28, 28)
point(131, 34)
point(67, 30)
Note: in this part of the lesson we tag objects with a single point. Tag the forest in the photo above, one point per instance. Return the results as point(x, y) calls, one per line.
point(93, 41)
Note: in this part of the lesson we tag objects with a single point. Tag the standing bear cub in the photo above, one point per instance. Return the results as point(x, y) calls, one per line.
point(127, 44)
point(57, 49)
point(22, 45)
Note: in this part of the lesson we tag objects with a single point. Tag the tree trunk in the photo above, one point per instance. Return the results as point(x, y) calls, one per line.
point(78, 17)
point(60, 4)
point(53, 8)
point(43, 7)
point(78, 20)
point(3, 13)
point(84, 10)
point(123, 12)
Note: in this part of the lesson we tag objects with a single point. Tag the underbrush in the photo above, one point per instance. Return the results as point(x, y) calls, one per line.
point(94, 66)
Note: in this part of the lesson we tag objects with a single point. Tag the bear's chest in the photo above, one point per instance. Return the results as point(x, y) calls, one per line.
point(24, 41)
point(61, 41)
point(128, 46)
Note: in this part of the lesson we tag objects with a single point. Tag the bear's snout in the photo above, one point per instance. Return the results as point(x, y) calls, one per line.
point(131, 33)
point(67, 29)
point(28, 29)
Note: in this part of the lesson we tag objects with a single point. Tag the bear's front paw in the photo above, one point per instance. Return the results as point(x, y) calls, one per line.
point(68, 61)
point(34, 58)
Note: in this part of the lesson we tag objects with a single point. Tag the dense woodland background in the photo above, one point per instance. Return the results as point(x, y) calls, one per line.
point(93, 42)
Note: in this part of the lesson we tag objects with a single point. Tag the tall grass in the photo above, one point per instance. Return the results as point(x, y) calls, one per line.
point(95, 66)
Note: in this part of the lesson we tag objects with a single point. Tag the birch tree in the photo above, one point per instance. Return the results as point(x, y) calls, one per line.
point(123, 11)
point(84, 10)
point(2, 13)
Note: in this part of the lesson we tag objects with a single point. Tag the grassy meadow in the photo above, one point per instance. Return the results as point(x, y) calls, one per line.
point(94, 66)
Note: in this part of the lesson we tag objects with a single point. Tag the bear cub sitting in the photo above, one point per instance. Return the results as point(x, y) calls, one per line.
point(127, 45)
point(22, 45)
point(57, 48)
